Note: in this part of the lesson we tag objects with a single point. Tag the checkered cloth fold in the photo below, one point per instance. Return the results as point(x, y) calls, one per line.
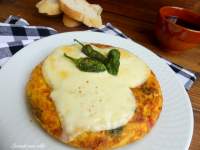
point(15, 33)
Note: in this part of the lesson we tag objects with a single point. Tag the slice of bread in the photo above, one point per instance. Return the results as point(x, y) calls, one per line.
point(81, 10)
point(49, 7)
point(69, 22)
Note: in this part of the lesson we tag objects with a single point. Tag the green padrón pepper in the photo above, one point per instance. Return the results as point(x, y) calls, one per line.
point(90, 52)
point(87, 64)
point(113, 61)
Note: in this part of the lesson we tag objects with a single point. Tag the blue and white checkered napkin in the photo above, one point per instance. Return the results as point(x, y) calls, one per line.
point(15, 33)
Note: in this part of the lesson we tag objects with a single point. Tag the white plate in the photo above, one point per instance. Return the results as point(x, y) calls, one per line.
point(173, 131)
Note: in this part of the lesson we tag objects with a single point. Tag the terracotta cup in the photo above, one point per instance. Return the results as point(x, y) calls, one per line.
point(175, 37)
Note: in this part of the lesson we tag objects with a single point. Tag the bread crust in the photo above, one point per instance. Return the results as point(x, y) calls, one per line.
point(48, 8)
point(148, 107)
point(69, 22)
point(90, 22)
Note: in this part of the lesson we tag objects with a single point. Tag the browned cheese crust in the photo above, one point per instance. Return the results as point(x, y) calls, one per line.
point(148, 107)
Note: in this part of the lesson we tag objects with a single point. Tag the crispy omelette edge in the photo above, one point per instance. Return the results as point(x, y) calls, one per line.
point(148, 107)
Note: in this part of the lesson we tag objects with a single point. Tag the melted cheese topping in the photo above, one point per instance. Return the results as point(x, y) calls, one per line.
point(92, 101)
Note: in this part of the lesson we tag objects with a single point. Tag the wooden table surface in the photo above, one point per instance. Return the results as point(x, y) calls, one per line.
point(136, 18)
